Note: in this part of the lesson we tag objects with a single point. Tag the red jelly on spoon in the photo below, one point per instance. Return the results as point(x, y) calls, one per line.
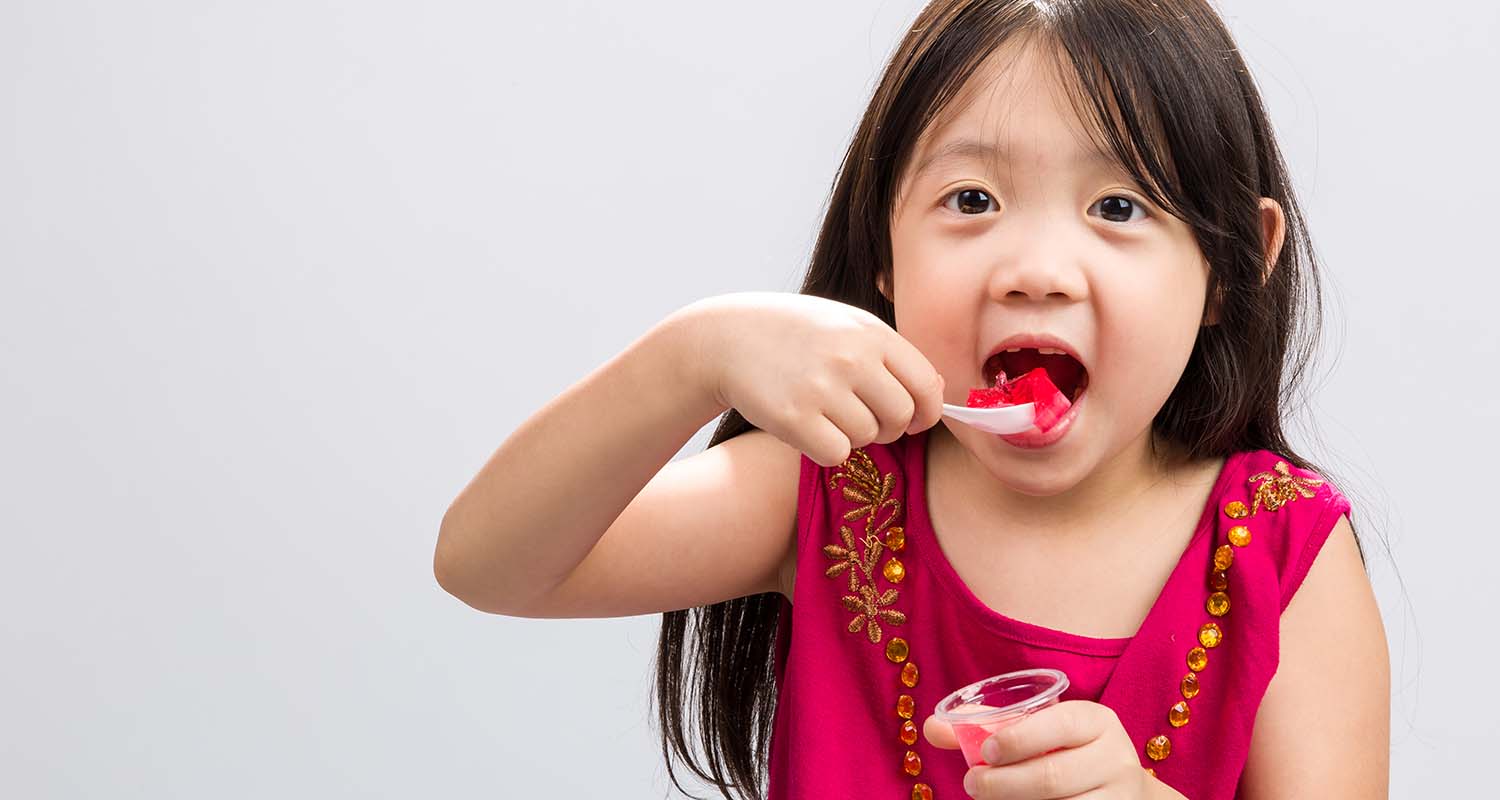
point(1033, 387)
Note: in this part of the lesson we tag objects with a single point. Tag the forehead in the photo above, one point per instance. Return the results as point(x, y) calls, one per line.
point(1017, 108)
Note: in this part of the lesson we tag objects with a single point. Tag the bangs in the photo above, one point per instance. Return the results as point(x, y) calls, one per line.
point(1160, 88)
point(1119, 109)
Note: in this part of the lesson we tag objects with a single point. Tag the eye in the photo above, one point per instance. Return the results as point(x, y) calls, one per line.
point(970, 201)
point(1118, 208)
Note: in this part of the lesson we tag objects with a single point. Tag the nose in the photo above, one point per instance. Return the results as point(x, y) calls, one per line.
point(1042, 264)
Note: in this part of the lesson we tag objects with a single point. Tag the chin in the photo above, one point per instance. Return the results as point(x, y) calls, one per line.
point(1040, 472)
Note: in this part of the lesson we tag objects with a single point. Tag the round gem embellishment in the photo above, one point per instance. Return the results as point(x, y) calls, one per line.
point(1218, 604)
point(909, 674)
point(1178, 716)
point(1190, 685)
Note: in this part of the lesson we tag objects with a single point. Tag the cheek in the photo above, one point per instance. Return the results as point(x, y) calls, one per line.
point(934, 311)
point(1147, 330)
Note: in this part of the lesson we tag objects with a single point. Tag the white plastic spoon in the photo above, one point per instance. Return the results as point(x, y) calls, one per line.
point(1005, 419)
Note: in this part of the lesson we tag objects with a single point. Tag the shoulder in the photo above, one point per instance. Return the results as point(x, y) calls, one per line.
point(1289, 511)
point(1333, 676)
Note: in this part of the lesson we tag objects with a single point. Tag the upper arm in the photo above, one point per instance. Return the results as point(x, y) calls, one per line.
point(716, 525)
point(1323, 727)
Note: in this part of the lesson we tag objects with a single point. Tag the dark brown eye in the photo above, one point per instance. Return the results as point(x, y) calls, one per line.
point(1120, 209)
point(971, 201)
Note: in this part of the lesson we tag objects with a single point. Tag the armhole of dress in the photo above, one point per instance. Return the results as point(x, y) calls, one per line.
point(807, 500)
point(1302, 561)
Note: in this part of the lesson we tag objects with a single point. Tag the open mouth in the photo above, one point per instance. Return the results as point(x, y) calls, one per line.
point(1065, 371)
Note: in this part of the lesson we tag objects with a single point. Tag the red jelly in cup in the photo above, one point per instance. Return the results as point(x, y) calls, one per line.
point(979, 709)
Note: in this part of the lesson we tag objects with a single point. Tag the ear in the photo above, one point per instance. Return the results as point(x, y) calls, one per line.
point(883, 283)
point(1272, 232)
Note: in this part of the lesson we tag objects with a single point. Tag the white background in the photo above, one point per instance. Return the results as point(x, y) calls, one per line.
point(279, 276)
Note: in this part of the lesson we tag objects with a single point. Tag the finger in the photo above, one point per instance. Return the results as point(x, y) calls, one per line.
point(854, 418)
point(823, 442)
point(891, 403)
point(921, 380)
point(1071, 724)
point(939, 734)
point(1065, 773)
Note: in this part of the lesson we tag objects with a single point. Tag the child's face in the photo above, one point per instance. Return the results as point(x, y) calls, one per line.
point(1043, 238)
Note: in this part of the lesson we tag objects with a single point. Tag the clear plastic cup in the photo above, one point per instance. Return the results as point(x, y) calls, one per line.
point(980, 709)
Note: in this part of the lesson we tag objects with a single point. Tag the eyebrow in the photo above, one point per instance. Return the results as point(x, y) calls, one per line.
point(974, 150)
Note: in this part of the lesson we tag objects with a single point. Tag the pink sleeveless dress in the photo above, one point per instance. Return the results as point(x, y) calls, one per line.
point(881, 628)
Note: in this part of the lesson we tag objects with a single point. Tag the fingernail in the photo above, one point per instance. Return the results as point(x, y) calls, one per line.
point(990, 751)
point(970, 784)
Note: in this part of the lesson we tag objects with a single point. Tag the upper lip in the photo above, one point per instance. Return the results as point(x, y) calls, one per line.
point(1033, 341)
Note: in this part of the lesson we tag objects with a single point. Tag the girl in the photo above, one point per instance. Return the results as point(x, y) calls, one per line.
point(1089, 188)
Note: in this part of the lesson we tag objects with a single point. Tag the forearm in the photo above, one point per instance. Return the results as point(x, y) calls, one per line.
point(554, 486)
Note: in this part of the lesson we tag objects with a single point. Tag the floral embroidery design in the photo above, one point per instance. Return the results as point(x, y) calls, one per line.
point(864, 484)
point(1281, 487)
point(869, 610)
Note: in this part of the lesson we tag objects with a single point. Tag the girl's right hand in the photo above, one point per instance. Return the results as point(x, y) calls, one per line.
point(822, 376)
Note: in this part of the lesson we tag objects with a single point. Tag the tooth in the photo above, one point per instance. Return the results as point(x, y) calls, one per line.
point(1014, 350)
point(1047, 351)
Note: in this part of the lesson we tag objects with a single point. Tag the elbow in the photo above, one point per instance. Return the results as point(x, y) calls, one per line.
point(456, 574)
point(447, 566)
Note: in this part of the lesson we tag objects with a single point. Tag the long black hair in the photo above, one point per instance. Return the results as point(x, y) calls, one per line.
point(1170, 96)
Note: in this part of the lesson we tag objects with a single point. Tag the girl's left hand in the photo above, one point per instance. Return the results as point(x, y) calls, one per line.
point(1072, 749)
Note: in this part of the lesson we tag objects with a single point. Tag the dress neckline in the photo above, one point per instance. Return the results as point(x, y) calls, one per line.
point(936, 562)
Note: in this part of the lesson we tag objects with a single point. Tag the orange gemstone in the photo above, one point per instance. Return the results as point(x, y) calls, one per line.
point(895, 571)
point(1190, 685)
point(1236, 510)
point(1210, 635)
point(1197, 659)
point(1218, 581)
point(905, 706)
point(1158, 748)
point(1178, 716)
point(896, 649)
point(912, 763)
point(1151, 772)
point(1239, 536)
point(908, 732)
point(1218, 604)
point(909, 674)
point(1223, 557)
point(921, 792)
point(895, 538)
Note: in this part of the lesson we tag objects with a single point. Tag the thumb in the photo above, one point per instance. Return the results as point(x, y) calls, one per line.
point(939, 734)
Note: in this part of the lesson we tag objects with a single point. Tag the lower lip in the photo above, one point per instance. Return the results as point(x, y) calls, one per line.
point(1034, 439)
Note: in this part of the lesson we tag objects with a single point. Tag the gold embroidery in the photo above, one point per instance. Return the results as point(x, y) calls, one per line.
point(869, 610)
point(1282, 487)
point(849, 554)
point(866, 485)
